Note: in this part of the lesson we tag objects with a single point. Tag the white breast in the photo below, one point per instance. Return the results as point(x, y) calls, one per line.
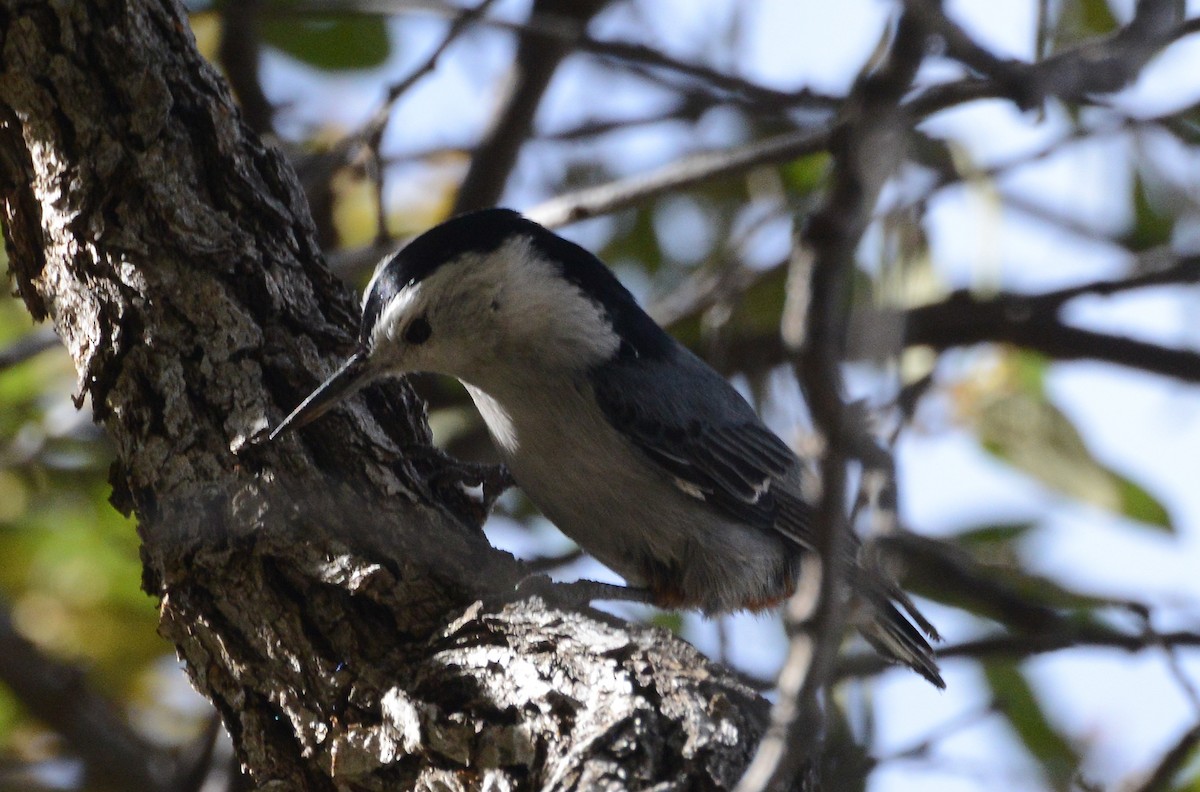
point(598, 489)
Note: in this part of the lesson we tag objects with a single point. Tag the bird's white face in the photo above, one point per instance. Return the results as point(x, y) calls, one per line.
point(508, 323)
point(486, 318)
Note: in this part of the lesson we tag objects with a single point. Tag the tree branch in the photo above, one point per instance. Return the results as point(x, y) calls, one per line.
point(686, 172)
point(867, 145)
point(1032, 322)
point(321, 592)
point(238, 54)
point(58, 695)
point(536, 60)
point(1097, 67)
point(27, 347)
point(1172, 762)
point(1021, 646)
point(1072, 75)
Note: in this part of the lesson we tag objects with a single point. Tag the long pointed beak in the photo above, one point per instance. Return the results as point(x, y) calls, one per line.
point(350, 377)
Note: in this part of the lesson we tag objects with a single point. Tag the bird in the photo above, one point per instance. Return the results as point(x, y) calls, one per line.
point(629, 443)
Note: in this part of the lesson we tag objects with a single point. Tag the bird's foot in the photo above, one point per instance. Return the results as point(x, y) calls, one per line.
point(471, 486)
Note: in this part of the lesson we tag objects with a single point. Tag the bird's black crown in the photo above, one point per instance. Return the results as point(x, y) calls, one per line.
point(486, 230)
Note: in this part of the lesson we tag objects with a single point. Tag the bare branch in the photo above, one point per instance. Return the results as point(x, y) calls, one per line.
point(1005, 73)
point(1071, 75)
point(560, 27)
point(548, 563)
point(1032, 322)
point(58, 695)
point(238, 53)
point(372, 135)
point(536, 61)
point(687, 172)
point(737, 89)
point(27, 347)
point(1020, 646)
point(1095, 68)
point(1172, 762)
point(866, 146)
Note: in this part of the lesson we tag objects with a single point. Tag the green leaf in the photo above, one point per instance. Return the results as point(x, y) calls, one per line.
point(1049, 593)
point(987, 580)
point(1016, 700)
point(1080, 21)
point(991, 535)
point(1096, 17)
point(10, 714)
point(760, 306)
point(1186, 126)
point(332, 43)
point(1152, 227)
point(636, 241)
point(1020, 425)
point(1140, 505)
point(1187, 778)
point(806, 174)
point(993, 544)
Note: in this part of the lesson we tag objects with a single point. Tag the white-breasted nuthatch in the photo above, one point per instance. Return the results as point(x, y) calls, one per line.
point(629, 443)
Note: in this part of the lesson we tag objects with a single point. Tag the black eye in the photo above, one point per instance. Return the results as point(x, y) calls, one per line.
point(418, 331)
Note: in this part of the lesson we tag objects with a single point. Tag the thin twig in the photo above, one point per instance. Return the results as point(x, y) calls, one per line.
point(27, 347)
point(943, 731)
point(1097, 67)
point(1070, 75)
point(536, 60)
point(541, 564)
point(372, 134)
point(678, 175)
point(563, 27)
point(1007, 74)
point(737, 89)
point(866, 148)
point(1020, 646)
point(1172, 762)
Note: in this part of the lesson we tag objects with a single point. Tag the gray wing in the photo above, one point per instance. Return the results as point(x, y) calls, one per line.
point(691, 423)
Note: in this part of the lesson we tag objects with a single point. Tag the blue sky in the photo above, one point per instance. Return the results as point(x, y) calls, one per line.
point(1121, 712)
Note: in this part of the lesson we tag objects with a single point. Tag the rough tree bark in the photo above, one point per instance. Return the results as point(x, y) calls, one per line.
point(324, 593)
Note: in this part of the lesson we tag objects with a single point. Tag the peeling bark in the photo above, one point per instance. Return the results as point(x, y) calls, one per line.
point(323, 593)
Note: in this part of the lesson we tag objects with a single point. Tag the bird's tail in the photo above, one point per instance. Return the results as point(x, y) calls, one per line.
point(888, 620)
point(894, 633)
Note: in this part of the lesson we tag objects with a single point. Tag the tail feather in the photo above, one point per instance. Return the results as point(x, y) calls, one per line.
point(891, 633)
point(885, 625)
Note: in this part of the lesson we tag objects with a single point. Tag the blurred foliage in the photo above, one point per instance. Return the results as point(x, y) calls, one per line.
point(1015, 698)
point(69, 565)
point(1153, 225)
point(1188, 777)
point(981, 570)
point(1015, 420)
point(327, 41)
point(333, 42)
point(355, 208)
point(1080, 20)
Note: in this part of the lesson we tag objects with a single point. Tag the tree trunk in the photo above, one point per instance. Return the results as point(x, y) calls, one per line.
point(325, 592)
